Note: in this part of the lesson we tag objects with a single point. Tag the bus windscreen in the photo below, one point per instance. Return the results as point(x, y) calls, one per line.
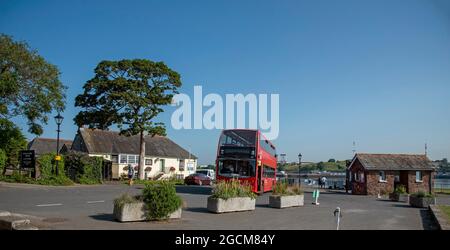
point(237, 168)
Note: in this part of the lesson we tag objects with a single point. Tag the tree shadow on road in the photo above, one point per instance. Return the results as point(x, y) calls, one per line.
point(103, 217)
point(194, 190)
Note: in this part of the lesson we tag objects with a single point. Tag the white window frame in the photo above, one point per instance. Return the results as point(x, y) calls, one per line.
point(421, 176)
point(123, 157)
point(382, 176)
point(357, 177)
point(130, 159)
point(151, 162)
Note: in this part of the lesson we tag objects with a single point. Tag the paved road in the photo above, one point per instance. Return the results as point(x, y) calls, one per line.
point(90, 207)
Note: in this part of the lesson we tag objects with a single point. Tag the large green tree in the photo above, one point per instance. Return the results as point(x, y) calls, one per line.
point(11, 142)
point(29, 85)
point(129, 94)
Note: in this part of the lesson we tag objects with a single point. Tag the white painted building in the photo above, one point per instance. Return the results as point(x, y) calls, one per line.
point(163, 157)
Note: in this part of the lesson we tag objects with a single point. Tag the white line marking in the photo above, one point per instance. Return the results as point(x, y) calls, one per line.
point(90, 202)
point(49, 205)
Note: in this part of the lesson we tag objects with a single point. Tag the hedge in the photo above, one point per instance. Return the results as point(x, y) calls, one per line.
point(83, 169)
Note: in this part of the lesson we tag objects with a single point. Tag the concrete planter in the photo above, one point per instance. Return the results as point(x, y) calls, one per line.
point(399, 197)
point(231, 205)
point(137, 212)
point(277, 201)
point(422, 202)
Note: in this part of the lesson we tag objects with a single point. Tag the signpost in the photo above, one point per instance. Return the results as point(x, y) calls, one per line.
point(27, 160)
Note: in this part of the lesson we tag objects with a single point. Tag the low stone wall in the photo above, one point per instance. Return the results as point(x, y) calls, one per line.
point(439, 217)
point(277, 201)
point(231, 205)
point(137, 212)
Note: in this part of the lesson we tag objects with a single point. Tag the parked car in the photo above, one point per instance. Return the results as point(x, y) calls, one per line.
point(197, 179)
point(208, 172)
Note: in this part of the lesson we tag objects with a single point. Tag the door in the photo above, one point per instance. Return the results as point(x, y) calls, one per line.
point(162, 164)
point(260, 182)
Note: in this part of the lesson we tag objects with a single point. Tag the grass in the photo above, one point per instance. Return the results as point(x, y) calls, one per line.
point(442, 191)
point(232, 189)
point(49, 181)
point(283, 189)
point(446, 211)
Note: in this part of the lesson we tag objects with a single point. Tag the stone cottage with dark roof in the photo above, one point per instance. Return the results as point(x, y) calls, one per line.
point(46, 145)
point(373, 174)
point(163, 157)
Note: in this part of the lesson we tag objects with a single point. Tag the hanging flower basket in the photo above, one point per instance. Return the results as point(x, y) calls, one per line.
point(148, 169)
point(172, 169)
point(136, 168)
point(125, 168)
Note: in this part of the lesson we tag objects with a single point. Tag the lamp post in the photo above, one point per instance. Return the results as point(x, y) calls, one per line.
point(58, 120)
point(299, 166)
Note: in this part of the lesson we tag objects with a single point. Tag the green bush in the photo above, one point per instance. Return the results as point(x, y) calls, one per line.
point(422, 194)
point(161, 200)
point(83, 169)
point(283, 189)
point(125, 199)
point(2, 160)
point(401, 189)
point(231, 189)
point(46, 163)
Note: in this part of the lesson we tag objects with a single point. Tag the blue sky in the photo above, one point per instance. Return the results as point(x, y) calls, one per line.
point(374, 72)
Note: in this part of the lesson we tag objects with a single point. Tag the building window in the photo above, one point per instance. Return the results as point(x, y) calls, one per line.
point(123, 159)
point(418, 176)
point(181, 165)
point(382, 176)
point(148, 162)
point(356, 178)
point(132, 159)
point(115, 159)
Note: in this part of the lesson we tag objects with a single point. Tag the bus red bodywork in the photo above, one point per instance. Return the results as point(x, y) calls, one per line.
point(248, 156)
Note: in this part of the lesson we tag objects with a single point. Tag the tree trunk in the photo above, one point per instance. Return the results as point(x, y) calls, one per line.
point(142, 157)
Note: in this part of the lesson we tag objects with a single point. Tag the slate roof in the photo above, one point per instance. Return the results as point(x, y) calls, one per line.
point(46, 145)
point(394, 162)
point(111, 142)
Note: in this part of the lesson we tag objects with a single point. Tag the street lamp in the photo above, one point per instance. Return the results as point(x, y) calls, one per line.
point(299, 166)
point(58, 120)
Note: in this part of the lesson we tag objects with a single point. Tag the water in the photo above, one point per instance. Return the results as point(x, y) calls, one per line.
point(441, 184)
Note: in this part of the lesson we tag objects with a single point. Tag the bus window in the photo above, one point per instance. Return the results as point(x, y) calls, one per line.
point(237, 168)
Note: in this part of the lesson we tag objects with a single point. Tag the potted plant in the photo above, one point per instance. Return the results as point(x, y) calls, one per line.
point(399, 194)
point(158, 201)
point(286, 196)
point(422, 199)
point(231, 196)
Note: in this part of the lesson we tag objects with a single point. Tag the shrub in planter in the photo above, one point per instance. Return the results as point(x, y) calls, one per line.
point(231, 196)
point(161, 200)
point(422, 199)
point(286, 196)
point(399, 194)
point(158, 201)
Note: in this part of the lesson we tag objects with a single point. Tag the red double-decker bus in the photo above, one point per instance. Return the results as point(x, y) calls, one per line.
point(248, 156)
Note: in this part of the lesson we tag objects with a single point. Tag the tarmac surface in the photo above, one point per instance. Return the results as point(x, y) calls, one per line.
point(91, 207)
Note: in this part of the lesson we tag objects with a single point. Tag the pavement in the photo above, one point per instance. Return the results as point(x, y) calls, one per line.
point(90, 207)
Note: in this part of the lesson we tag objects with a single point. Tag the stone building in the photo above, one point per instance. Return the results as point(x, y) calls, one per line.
point(373, 174)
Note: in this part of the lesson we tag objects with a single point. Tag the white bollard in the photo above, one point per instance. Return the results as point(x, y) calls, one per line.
point(338, 215)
